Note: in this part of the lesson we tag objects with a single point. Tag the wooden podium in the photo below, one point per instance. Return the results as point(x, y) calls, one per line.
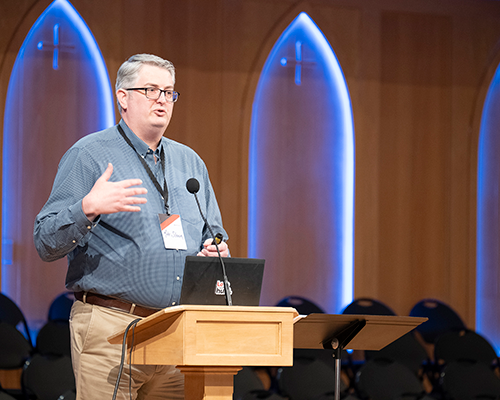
point(210, 344)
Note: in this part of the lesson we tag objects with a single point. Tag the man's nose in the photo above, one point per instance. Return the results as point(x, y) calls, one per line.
point(163, 97)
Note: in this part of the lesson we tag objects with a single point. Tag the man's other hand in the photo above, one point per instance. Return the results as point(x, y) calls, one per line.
point(209, 249)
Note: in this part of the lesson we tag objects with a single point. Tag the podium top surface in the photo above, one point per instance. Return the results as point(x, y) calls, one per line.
point(374, 333)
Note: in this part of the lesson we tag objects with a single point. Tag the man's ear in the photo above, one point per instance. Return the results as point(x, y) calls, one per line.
point(122, 97)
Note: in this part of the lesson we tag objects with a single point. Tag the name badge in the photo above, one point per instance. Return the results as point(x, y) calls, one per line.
point(171, 230)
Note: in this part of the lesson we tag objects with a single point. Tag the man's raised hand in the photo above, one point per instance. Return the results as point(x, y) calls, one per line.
point(111, 197)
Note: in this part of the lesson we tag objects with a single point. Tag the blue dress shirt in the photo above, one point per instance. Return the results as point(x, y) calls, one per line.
point(123, 254)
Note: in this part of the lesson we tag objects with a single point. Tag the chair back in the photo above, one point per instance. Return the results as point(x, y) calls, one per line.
point(6, 396)
point(256, 395)
point(405, 350)
point(386, 379)
point(60, 307)
point(14, 347)
point(245, 382)
point(463, 380)
point(367, 306)
point(464, 345)
point(54, 339)
point(308, 378)
point(12, 314)
point(441, 319)
point(301, 304)
point(47, 377)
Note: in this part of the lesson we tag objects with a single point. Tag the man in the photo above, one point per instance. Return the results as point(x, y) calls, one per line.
point(111, 191)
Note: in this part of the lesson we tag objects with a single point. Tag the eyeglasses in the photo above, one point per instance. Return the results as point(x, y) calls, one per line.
point(153, 93)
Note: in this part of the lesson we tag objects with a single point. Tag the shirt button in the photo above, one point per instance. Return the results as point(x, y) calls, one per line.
point(178, 278)
point(74, 241)
point(89, 227)
point(173, 303)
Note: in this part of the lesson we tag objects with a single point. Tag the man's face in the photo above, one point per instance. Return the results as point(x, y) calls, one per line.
point(141, 114)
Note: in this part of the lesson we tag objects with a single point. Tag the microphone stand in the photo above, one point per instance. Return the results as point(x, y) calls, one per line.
point(227, 289)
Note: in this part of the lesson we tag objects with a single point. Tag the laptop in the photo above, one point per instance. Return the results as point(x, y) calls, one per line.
point(203, 282)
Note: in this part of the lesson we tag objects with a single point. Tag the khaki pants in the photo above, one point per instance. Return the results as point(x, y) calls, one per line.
point(96, 362)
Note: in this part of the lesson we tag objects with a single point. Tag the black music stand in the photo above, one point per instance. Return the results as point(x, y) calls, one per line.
point(356, 332)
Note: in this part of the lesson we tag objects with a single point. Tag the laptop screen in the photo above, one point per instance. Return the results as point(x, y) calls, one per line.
point(203, 282)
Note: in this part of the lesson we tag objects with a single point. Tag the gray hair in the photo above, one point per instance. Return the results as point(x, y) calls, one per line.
point(128, 71)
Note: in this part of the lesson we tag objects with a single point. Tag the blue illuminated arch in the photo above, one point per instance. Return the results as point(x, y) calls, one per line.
point(488, 218)
point(302, 146)
point(59, 90)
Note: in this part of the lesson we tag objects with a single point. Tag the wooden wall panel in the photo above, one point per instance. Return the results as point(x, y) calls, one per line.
point(414, 157)
point(415, 72)
point(475, 39)
point(365, 89)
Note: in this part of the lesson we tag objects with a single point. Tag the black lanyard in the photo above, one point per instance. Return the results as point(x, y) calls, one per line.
point(163, 192)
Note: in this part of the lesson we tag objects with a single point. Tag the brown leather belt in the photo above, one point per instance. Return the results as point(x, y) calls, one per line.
point(111, 302)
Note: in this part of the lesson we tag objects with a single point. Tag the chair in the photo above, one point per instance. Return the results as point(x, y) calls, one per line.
point(367, 306)
point(362, 306)
point(48, 377)
point(303, 307)
point(14, 347)
point(442, 319)
point(245, 382)
point(405, 350)
point(257, 395)
point(14, 351)
point(69, 395)
point(308, 378)
point(60, 307)
point(5, 396)
point(331, 396)
point(381, 379)
point(464, 380)
point(54, 339)
point(12, 314)
point(301, 304)
point(464, 345)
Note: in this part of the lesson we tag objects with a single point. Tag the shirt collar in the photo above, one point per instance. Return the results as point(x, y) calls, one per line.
point(140, 146)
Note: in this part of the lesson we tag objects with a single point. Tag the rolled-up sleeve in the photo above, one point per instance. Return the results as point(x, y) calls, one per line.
point(62, 225)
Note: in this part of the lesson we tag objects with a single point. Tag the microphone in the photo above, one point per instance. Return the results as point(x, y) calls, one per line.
point(192, 186)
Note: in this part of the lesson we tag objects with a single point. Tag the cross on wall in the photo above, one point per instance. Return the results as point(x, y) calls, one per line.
point(299, 62)
point(55, 46)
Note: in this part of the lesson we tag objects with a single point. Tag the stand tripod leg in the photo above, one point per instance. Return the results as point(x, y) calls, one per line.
point(337, 354)
point(337, 379)
point(338, 343)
